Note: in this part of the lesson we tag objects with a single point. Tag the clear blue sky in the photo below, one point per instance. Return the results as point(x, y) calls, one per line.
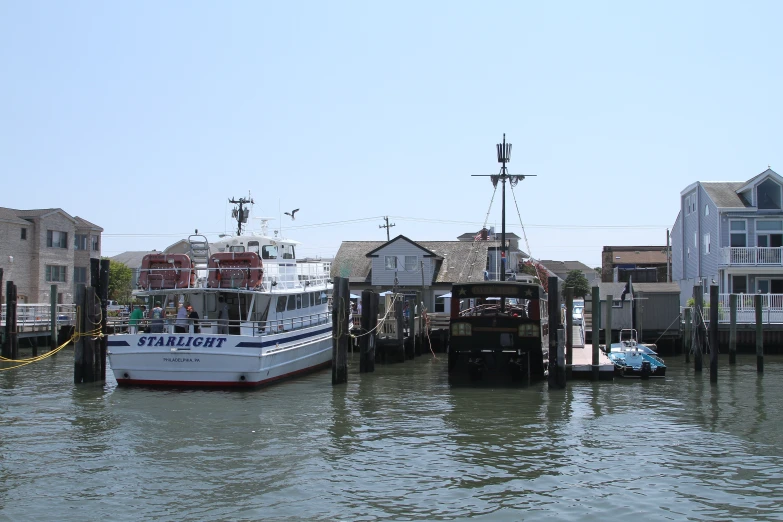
point(145, 117)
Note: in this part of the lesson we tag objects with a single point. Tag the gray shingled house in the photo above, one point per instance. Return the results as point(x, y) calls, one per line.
point(731, 234)
point(430, 267)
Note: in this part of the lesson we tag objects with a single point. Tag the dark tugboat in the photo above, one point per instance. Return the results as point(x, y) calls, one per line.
point(499, 330)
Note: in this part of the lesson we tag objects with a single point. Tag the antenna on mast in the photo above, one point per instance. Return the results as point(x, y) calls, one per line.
point(240, 213)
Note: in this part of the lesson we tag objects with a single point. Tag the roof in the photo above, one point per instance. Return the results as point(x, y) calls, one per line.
point(352, 261)
point(401, 238)
point(724, 194)
point(604, 289)
point(656, 288)
point(132, 258)
point(561, 268)
point(10, 215)
point(83, 223)
point(43, 212)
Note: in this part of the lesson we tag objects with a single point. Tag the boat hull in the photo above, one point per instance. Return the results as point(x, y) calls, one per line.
point(208, 360)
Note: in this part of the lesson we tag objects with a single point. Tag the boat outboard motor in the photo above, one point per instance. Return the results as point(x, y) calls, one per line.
point(646, 369)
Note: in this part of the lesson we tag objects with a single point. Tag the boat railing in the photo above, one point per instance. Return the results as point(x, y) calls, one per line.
point(123, 325)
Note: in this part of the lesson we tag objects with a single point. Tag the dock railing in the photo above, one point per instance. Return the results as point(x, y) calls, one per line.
point(37, 316)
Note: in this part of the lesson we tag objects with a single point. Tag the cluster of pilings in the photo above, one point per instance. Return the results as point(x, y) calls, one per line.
point(89, 355)
point(699, 341)
point(10, 348)
point(408, 343)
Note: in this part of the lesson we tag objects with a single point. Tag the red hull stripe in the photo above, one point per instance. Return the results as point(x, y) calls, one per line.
point(220, 384)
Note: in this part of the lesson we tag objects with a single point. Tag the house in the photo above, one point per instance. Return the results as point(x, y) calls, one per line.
point(642, 264)
point(515, 256)
point(730, 233)
point(43, 247)
point(562, 268)
point(622, 309)
point(430, 267)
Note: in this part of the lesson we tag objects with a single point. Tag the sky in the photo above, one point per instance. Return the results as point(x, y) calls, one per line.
point(145, 117)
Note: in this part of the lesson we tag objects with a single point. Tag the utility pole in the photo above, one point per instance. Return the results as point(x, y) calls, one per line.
point(240, 213)
point(387, 226)
point(504, 156)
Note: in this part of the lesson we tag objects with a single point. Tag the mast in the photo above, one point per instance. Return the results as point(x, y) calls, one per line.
point(504, 156)
point(240, 213)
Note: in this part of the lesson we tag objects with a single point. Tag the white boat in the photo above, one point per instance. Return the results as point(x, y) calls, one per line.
point(279, 321)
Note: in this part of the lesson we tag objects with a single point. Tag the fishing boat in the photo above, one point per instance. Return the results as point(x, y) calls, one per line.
point(262, 315)
point(633, 359)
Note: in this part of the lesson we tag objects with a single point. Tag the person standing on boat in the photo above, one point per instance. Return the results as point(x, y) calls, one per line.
point(222, 316)
point(181, 325)
point(193, 317)
point(135, 319)
point(156, 325)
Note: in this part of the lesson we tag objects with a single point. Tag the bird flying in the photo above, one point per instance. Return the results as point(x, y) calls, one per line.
point(292, 213)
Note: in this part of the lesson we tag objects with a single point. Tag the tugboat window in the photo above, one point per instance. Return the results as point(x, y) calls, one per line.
point(236, 249)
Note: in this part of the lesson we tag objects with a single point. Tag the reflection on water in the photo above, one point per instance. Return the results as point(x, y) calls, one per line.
point(401, 443)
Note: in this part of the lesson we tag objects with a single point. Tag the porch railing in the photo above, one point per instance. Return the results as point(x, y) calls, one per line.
point(751, 256)
point(771, 308)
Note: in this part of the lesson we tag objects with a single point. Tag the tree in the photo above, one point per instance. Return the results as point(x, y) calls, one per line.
point(578, 280)
point(120, 277)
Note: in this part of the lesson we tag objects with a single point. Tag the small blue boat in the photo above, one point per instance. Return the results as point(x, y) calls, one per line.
point(632, 359)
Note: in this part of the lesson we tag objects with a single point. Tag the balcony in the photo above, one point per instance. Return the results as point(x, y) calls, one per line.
point(771, 308)
point(751, 256)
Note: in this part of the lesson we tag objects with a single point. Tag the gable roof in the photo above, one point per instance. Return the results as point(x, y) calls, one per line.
point(757, 179)
point(43, 212)
point(401, 238)
point(354, 262)
point(10, 215)
point(83, 223)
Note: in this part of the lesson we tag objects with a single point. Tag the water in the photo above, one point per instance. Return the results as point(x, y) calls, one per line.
point(399, 444)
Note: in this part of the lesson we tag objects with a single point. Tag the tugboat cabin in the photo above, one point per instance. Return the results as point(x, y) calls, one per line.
point(499, 327)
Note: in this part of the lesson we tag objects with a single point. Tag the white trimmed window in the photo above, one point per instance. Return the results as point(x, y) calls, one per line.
point(411, 262)
point(738, 233)
point(695, 240)
point(706, 210)
point(707, 243)
point(390, 262)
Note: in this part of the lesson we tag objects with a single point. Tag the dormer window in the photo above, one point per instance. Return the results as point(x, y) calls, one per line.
point(768, 195)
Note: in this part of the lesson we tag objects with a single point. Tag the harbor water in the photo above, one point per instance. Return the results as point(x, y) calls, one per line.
point(397, 444)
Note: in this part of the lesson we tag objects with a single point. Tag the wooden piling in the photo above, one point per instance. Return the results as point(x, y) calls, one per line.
point(340, 334)
point(596, 331)
point(554, 325)
point(411, 328)
point(759, 335)
point(11, 345)
point(733, 329)
point(698, 322)
point(364, 339)
point(561, 361)
point(53, 316)
point(713, 333)
point(103, 292)
point(688, 340)
point(569, 355)
point(78, 347)
point(608, 325)
point(372, 349)
point(399, 328)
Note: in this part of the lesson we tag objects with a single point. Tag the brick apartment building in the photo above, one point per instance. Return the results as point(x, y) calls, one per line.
point(39, 248)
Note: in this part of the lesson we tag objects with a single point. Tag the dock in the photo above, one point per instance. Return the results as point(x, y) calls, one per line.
point(582, 366)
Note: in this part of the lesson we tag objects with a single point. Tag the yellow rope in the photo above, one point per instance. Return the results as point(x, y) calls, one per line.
point(76, 335)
